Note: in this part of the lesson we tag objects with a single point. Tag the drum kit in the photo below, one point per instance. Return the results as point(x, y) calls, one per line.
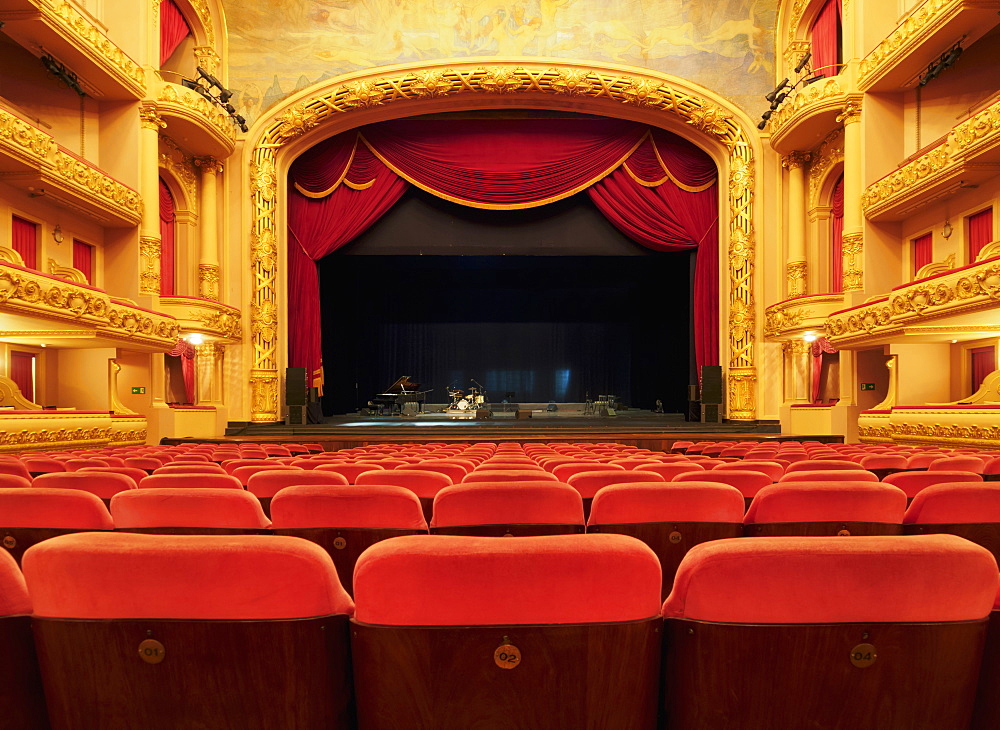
point(475, 399)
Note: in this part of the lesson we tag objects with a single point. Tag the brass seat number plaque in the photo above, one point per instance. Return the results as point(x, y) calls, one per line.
point(507, 656)
point(863, 656)
point(151, 651)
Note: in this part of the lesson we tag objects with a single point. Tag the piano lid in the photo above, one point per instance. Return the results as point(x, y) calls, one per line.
point(403, 385)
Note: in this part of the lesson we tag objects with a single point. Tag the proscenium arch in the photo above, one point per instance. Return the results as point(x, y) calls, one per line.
point(391, 92)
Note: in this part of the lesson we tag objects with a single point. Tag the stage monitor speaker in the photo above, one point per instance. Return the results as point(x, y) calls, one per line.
point(522, 413)
point(295, 387)
point(710, 413)
point(483, 414)
point(711, 384)
point(297, 416)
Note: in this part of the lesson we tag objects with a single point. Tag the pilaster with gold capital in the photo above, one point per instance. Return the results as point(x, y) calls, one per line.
point(208, 249)
point(796, 275)
point(798, 371)
point(796, 163)
point(853, 247)
point(209, 364)
point(149, 274)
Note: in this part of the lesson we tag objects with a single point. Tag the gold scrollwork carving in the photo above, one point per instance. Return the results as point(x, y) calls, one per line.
point(827, 91)
point(501, 81)
point(226, 323)
point(74, 24)
point(853, 246)
point(149, 277)
point(208, 281)
point(795, 273)
point(829, 154)
point(24, 139)
point(906, 34)
point(794, 160)
point(851, 113)
point(742, 401)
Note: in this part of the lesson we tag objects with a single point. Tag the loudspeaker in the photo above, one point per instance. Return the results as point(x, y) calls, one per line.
point(711, 384)
point(297, 416)
point(710, 413)
point(295, 387)
point(521, 413)
point(482, 414)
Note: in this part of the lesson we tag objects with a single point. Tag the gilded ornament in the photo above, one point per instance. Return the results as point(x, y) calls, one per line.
point(829, 154)
point(360, 95)
point(851, 113)
point(501, 80)
point(97, 45)
point(23, 139)
point(645, 93)
point(574, 82)
point(795, 160)
point(709, 119)
point(795, 273)
point(805, 99)
point(263, 180)
point(432, 84)
point(904, 39)
point(741, 319)
point(180, 167)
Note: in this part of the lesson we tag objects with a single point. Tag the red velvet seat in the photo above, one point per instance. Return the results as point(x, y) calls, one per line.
point(912, 482)
point(137, 475)
point(822, 464)
point(588, 483)
point(351, 471)
point(831, 475)
point(22, 702)
point(563, 472)
point(772, 468)
point(345, 521)
point(425, 484)
point(251, 629)
point(243, 473)
point(517, 509)
point(669, 470)
point(77, 464)
point(521, 623)
point(455, 470)
point(921, 460)
point(191, 481)
point(826, 508)
point(511, 475)
point(191, 456)
point(967, 509)
point(670, 518)
point(265, 484)
point(104, 484)
point(190, 467)
point(14, 481)
point(28, 516)
point(748, 482)
point(15, 468)
point(181, 511)
point(41, 465)
point(958, 463)
point(876, 632)
point(231, 465)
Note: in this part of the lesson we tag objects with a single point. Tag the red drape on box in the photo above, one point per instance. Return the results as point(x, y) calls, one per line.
point(173, 29)
point(657, 188)
point(980, 232)
point(923, 252)
point(819, 348)
point(166, 240)
point(185, 351)
point(825, 39)
point(837, 237)
point(24, 240)
point(22, 372)
point(83, 259)
point(984, 362)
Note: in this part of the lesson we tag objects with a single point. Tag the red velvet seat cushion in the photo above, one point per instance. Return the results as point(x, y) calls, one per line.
point(269, 482)
point(777, 580)
point(14, 481)
point(748, 482)
point(422, 483)
point(14, 467)
point(674, 502)
point(97, 575)
point(38, 465)
point(772, 468)
point(372, 506)
point(104, 484)
point(563, 472)
point(824, 464)
point(439, 580)
point(477, 504)
point(180, 507)
point(513, 475)
point(671, 469)
point(191, 481)
point(827, 502)
point(191, 467)
point(833, 475)
point(14, 598)
point(882, 461)
point(51, 507)
point(956, 502)
point(958, 463)
point(588, 483)
point(912, 482)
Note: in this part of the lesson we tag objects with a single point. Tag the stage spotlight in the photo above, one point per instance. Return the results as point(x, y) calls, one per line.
point(778, 100)
point(813, 80)
point(771, 96)
point(225, 95)
point(802, 64)
point(210, 78)
point(952, 56)
point(240, 120)
point(766, 115)
point(230, 109)
point(761, 124)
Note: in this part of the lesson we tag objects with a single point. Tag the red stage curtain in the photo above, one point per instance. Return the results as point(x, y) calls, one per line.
point(819, 348)
point(836, 237)
point(173, 29)
point(83, 259)
point(980, 232)
point(984, 362)
point(825, 39)
point(186, 352)
point(665, 198)
point(22, 372)
point(24, 240)
point(923, 252)
point(166, 240)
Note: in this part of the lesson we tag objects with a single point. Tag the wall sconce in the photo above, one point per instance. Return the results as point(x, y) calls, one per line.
point(57, 234)
point(195, 339)
point(810, 336)
point(947, 229)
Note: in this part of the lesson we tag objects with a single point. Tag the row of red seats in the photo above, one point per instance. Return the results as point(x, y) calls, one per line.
point(450, 633)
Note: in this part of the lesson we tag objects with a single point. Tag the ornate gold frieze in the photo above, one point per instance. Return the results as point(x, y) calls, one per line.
point(208, 59)
point(795, 274)
point(208, 280)
point(24, 141)
point(181, 167)
point(795, 19)
point(796, 347)
point(67, 272)
point(853, 247)
point(807, 100)
point(149, 277)
point(742, 400)
point(204, 316)
point(504, 81)
point(795, 160)
point(915, 181)
point(829, 154)
point(178, 101)
point(792, 317)
point(92, 185)
point(205, 16)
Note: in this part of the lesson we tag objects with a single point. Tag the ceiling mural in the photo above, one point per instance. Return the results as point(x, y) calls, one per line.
point(277, 47)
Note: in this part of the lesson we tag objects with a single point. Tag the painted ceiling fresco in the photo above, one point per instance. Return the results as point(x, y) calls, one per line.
point(277, 47)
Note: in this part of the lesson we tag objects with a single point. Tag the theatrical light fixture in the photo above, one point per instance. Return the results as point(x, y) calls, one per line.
point(802, 64)
point(220, 98)
point(946, 61)
point(777, 90)
point(62, 73)
point(761, 124)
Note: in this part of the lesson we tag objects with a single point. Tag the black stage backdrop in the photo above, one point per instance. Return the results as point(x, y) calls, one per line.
point(550, 303)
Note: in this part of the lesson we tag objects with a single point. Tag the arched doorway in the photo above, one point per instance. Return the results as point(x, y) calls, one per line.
point(614, 91)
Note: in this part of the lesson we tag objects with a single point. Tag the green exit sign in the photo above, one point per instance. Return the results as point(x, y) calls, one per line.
point(868, 386)
point(138, 391)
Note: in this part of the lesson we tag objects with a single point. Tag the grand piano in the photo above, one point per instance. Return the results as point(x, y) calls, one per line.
point(398, 395)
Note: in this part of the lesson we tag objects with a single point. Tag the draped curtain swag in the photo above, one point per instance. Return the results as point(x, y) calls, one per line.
point(173, 29)
point(837, 237)
point(186, 352)
point(656, 187)
point(166, 240)
point(22, 372)
point(819, 347)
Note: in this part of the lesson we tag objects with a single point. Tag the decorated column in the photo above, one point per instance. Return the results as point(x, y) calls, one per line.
point(149, 188)
point(796, 274)
point(208, 252)
point(854, 237)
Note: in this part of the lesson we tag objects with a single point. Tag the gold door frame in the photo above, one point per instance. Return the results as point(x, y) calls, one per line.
point(392, 92)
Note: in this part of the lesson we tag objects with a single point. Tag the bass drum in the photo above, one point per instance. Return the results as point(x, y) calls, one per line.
point(462, 405)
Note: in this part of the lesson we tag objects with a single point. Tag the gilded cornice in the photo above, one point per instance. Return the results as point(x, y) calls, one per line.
point(489, 80)
point(965, 290)
point(65, 429)
point(177, 101)
point(194, 314)
point(821, 96)
point(912, 183)
point(34, 294)
point(24, 141)
point(93, 186)
point(957, 427)
point(792, 317)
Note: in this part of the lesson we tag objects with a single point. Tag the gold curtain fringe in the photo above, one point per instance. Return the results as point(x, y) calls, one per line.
point(342, 178)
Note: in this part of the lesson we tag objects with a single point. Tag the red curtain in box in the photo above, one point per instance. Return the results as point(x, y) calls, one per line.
point(837, 237)
point(173, 29)
point(923, 252)
point(822, 352)
point(186, 352)
point(83, 259)
point(657, 188)
point(22, 372)
point(24, 240)
point(983, 361)
point(980, 232)
point(166, 240)
point(825, 39)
